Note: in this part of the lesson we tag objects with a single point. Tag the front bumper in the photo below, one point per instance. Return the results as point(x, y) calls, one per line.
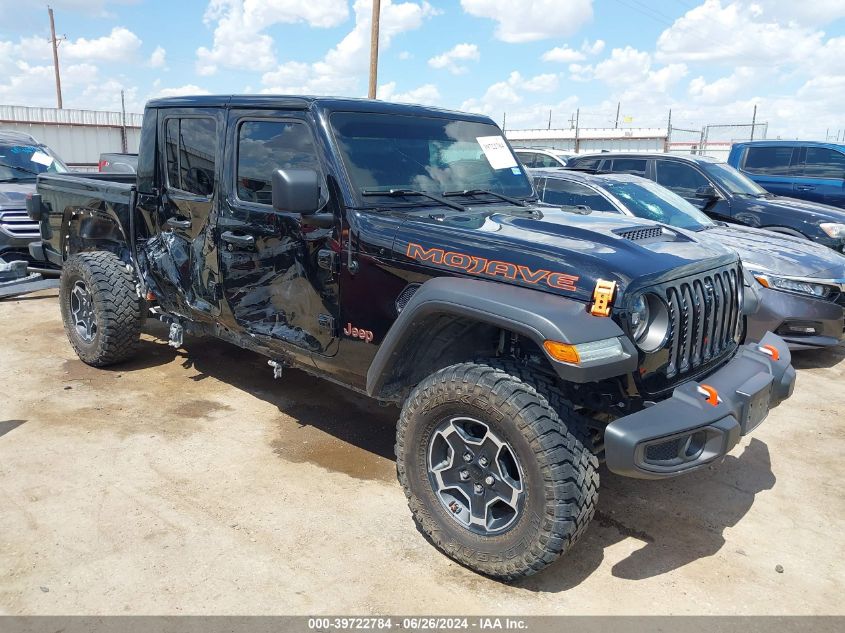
point(685, 432)
point(786, 313)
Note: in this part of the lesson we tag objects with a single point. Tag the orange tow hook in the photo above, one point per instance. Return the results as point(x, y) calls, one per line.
point(771, 350)
point(711, 395)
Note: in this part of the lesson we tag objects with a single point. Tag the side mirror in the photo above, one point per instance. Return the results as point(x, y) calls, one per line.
point(708, 192)
point(296, 191)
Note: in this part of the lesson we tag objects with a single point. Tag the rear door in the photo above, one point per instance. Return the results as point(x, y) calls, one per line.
point(822, 176)
point(179, 258)
point(279, 283)
point(773, 167)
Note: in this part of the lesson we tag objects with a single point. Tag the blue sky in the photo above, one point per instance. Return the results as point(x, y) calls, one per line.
point(710, 61)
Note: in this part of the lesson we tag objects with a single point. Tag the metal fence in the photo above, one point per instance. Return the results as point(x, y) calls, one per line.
point(714, 140)
point(77, 136)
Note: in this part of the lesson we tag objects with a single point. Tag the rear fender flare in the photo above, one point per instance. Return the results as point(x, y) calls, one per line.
point(86, 228)
point(539, 316)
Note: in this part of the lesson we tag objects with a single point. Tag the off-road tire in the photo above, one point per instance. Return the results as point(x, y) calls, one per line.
point(118, 311)
point(561, 473)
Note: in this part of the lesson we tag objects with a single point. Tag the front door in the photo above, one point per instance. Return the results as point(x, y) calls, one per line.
point(279, 280)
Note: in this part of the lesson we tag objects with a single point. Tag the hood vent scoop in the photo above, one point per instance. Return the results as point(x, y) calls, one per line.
point(641, 234)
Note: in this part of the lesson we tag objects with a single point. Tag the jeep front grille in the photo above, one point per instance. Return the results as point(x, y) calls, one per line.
point(704, 311)
point(18, 224)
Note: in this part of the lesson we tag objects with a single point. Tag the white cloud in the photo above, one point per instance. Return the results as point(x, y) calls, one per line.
point(159, 58)
point(427, 94)
point(121, 45)
point(180, 91)
point(541, 83)
point(510, 96)
point(722, 89)
point(451, 58)
point(566, 55)
point(625, 65)
point(531, 20)
point(239, 38)
point(738, 32)
point(563, 54)
point(342, 67)
point(405, 55)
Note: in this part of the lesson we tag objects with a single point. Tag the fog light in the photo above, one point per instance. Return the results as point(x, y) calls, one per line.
point(805, 329)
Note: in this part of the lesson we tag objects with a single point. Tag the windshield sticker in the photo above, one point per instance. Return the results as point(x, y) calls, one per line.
point(516, 171)
point(492, 268)
point(42, 159)
point(497, 152)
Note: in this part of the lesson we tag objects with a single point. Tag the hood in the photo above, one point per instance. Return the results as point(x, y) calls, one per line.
point(13, 194)
point(780, 254)
point(814, 212)
point(555, 251)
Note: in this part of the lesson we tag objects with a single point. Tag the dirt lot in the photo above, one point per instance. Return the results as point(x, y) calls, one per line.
point(191, 482)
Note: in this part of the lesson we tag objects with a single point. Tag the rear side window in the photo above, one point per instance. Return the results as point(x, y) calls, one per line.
point(189, 147)
point(573, 194)
point(545, 161)
point(768, 161)
point(634, 166)
point(680, 178)
point(265, 146)
point(587, 163)
point(528, 158)
point(822, 162)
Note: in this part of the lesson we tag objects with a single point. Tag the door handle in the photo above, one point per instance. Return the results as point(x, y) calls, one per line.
point(173, 223)
point(241, 241)
point(804, 187)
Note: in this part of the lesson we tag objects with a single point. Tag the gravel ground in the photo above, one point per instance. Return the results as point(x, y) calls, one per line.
point(190, 482)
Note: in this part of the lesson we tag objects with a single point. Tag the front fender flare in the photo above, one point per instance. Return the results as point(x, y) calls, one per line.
point(540, 316)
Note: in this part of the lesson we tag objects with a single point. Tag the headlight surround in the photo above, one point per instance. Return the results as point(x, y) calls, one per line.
point(797, 286)
point(833, 229)
point(649, 321)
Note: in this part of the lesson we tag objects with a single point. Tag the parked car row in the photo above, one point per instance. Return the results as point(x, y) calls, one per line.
point(800, 285)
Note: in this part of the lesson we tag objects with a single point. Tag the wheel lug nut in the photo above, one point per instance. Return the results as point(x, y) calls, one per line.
point(482, 460)
point(478, 489)
point(467, 456)
point(489, 480)
point(464, 475)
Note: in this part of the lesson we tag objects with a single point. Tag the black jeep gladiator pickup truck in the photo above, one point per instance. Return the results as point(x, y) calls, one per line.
point(401, 251)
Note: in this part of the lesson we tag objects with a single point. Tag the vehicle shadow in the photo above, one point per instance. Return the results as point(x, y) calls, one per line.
point(818, 358)
point(677, 521)
point(331, 408)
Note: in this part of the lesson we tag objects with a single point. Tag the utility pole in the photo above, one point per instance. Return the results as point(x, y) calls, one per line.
point(504, 121)
point(55, 44)
point(668, 132)
point(550, 119)
point(753, 121)
point(123, 123)
point(618, 105)
point(577, 118)
point(374, 48)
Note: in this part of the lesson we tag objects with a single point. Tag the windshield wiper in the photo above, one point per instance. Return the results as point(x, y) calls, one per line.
point(23, 169)
point(401, 193)
point(479, 192)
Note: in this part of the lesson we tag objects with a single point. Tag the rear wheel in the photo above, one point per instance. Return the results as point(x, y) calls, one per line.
point(493, 475)
point(101, 310)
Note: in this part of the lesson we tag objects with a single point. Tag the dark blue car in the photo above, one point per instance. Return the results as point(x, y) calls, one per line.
point(725, 194)
point(801, 169)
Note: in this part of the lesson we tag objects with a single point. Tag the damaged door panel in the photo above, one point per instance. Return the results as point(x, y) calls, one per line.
point(273, 283)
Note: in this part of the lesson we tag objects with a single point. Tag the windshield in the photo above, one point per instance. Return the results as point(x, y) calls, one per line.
point(732, 180)
point(433, 155)
point(25, 162)
point(651, 201)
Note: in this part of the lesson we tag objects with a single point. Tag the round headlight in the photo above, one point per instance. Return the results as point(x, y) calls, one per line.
point(639, 317)
point(649, 322)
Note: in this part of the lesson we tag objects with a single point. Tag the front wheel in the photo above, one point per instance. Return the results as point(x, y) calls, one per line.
point(101, 310)
point(492, 474)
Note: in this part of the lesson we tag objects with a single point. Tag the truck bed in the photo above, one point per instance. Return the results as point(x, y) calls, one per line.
point(82, 198)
